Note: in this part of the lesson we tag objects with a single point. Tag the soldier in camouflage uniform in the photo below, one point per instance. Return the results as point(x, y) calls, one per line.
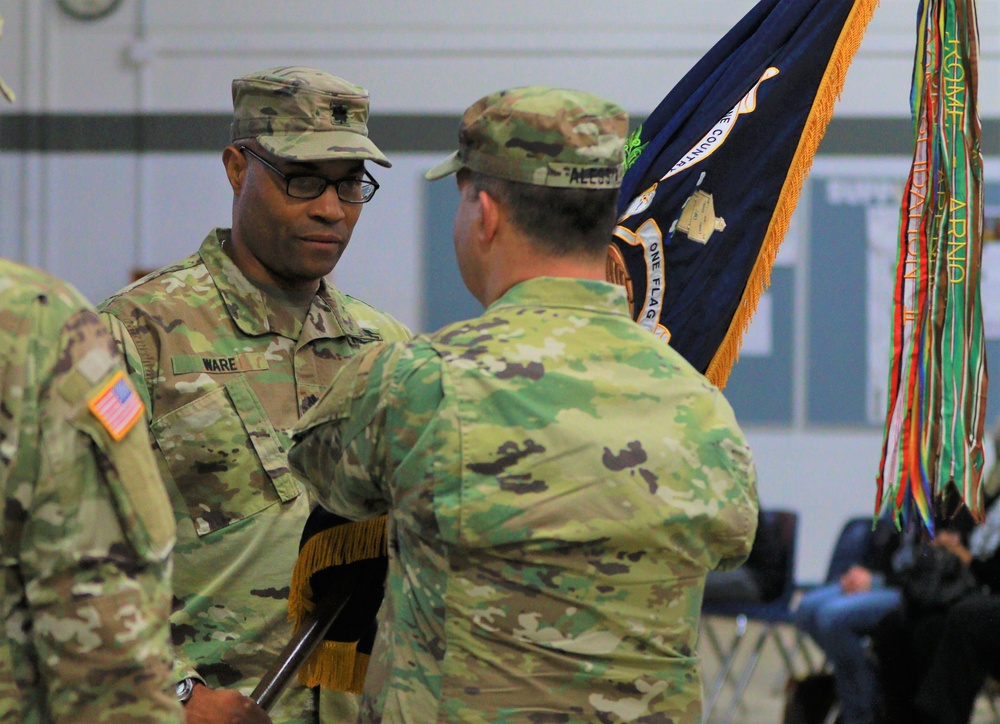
point(228, 348)
point(85, 538)
point(558, 481)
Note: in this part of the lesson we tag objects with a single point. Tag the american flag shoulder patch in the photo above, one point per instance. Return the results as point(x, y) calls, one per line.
point(117, 406)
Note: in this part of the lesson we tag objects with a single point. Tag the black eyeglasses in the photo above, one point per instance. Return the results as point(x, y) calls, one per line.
point(306, 186)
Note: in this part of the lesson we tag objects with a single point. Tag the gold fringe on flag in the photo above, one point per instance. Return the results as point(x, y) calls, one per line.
point(816, 123)
point(334, 665)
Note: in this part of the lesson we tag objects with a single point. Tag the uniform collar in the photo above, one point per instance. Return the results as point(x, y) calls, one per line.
point(594, 296)
point(249, 309)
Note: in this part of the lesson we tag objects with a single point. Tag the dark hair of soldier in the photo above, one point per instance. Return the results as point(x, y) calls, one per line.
point(561, 221)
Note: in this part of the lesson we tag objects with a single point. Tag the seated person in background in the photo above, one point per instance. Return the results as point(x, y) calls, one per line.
point(968, 650)
point(839, 616)
point(760, 579)
point(964, 639)
point(906, 639)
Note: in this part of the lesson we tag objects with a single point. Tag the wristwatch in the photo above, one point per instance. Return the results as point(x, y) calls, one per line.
point(184, 689)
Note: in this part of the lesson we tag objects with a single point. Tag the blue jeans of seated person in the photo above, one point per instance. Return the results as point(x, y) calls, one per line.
point(838, 622)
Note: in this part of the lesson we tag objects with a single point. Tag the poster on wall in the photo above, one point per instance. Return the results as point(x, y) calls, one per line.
point(990, 281)
point(851, 265)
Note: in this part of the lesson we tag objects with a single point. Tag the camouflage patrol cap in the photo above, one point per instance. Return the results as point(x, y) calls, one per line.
point(542, 136)
point(304, 114)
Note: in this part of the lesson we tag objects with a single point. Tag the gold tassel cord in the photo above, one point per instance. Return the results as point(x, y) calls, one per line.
point(819, 118)
point(335, 665)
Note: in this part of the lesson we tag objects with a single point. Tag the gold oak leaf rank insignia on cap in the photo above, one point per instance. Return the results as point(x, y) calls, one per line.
point(117, 406)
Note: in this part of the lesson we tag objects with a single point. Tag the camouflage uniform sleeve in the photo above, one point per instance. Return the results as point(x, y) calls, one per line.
point(96, 555)
point(348, 445)
point(183, 667)
point(738, 521)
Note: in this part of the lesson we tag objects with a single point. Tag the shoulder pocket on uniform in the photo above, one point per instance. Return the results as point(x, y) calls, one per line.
point(131, 473)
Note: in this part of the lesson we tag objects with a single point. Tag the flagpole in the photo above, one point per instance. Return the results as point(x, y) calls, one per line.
point(306, 638)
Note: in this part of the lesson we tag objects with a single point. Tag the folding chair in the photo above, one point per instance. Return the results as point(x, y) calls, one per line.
point(770, 615)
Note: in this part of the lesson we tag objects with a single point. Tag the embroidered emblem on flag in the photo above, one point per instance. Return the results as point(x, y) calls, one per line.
point(117, 406)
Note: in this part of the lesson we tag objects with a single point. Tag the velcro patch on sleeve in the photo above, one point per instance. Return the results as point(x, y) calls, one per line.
point(117, 406)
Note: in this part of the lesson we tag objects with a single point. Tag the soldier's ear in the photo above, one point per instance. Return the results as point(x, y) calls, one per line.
point(236, 167)
point(490, 217)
